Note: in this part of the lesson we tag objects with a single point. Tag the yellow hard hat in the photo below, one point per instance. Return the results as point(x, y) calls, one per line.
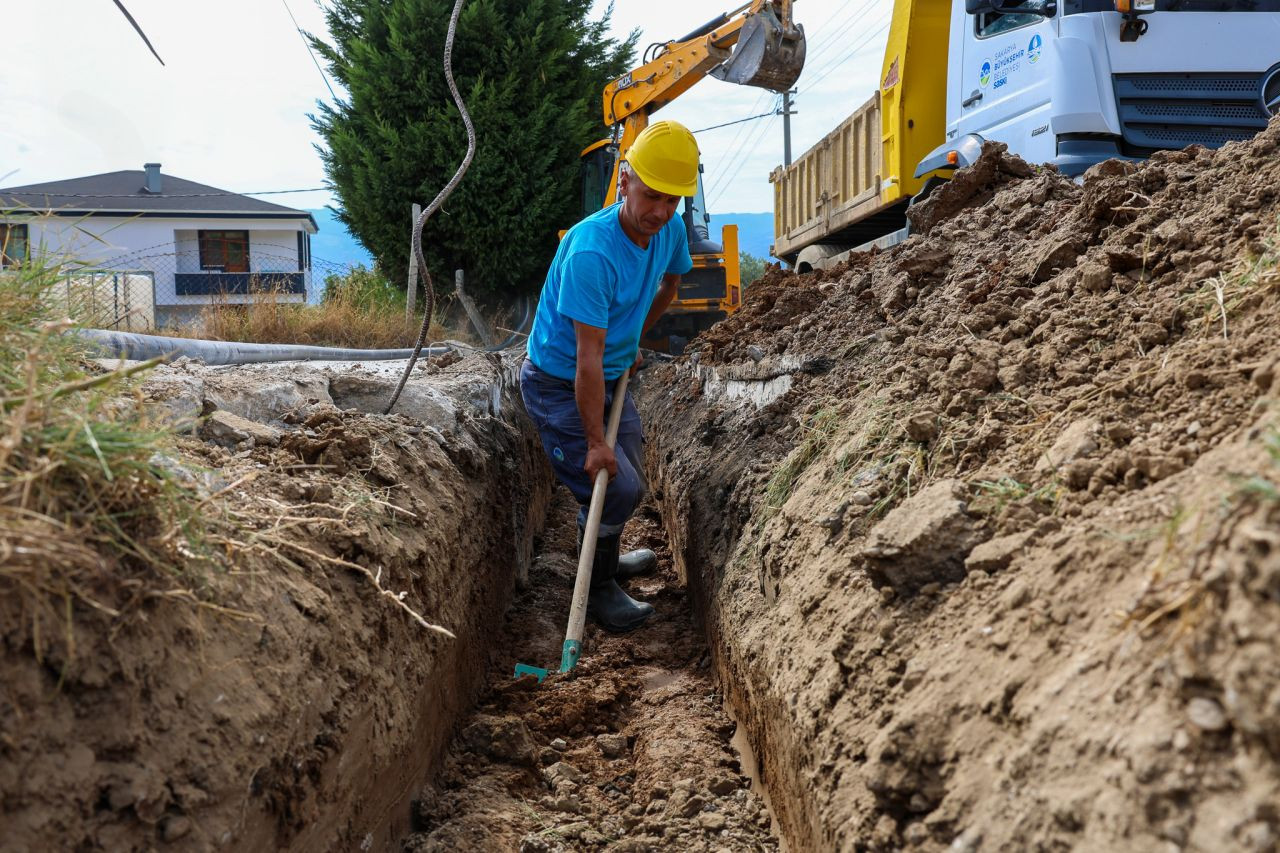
point(665, 157)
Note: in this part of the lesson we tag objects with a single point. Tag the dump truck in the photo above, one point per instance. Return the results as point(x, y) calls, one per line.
point(758, 44)
point(1070, 83)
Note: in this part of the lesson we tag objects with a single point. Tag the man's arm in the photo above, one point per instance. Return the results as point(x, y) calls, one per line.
point(666, 292)
point(588, 391)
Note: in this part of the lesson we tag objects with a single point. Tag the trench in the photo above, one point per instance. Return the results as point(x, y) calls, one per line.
point(640, 747)
point(338, 724)
point(635, 750)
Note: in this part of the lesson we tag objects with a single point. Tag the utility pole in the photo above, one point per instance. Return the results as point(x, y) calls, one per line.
point(787, 113)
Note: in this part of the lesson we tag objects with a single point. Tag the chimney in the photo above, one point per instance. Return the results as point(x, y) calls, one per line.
point(153, 178)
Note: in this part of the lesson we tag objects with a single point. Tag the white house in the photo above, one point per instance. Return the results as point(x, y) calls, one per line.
point(189, 243)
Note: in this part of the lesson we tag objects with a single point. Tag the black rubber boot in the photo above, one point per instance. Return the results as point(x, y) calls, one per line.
point(632, 564)
point(607, 603)
point(635, 563)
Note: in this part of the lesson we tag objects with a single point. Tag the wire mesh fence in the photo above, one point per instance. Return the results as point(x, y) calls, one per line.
point(154, 288)
point(123, 301)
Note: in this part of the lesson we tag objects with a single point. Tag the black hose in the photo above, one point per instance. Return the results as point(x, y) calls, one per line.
point(428, 293)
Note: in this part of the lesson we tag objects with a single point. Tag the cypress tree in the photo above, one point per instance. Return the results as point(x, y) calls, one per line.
point(531, 73)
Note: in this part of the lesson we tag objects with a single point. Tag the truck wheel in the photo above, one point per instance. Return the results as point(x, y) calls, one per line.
point(815, 257)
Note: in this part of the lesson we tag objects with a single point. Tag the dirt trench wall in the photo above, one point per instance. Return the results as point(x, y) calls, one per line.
point(298, 708)
point(985, 530)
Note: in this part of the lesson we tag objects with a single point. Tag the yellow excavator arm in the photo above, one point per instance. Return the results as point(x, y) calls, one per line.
point(756, 44)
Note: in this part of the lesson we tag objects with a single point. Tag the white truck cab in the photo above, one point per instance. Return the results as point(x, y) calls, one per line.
point(1068, 82)
point(1079, 81)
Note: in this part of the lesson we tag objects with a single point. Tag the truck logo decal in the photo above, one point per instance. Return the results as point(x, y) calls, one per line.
point(1033, 49)
point(890, 79)
point(984, 76)
point(1270, 93)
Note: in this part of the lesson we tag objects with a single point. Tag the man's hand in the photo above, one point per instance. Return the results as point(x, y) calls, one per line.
point(600, 456)
point(635, 365)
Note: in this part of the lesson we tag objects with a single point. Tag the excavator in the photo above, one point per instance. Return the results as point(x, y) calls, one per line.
point(757, 44)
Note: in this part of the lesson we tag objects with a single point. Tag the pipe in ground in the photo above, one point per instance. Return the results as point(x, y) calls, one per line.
point(135, 346)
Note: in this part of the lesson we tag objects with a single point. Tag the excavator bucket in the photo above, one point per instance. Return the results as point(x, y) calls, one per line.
point(767, 55)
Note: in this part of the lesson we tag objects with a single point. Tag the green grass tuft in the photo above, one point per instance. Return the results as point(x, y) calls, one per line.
point(87, 515)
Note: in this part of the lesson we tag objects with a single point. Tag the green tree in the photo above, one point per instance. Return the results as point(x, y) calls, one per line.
point(531, 73)
point(750, 267)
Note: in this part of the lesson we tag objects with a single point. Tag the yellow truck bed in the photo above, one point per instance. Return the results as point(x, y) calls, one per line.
point(855, 184)
point(833, 185)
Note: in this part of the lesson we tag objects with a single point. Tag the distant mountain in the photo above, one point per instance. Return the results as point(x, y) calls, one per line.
point(755, 231)
point(334, 248)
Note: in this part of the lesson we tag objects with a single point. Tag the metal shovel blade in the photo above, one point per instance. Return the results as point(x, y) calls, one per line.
point(767, 55)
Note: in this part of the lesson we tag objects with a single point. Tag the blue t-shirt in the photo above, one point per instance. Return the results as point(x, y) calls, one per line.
point(600, 278)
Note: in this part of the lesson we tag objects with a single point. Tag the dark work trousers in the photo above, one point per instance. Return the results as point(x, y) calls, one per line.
point(551, 403)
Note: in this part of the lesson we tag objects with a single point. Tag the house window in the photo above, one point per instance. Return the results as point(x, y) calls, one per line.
point(224, 251)
point(304, 251)
point(13, 245)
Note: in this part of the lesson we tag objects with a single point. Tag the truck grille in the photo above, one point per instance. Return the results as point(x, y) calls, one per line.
point(1177, 110)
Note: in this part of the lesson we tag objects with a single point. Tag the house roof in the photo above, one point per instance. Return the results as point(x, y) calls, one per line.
point(124, 194)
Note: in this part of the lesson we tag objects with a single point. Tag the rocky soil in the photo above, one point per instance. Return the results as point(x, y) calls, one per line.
point(632, 751)
point(276, 693)
point(978, 540)
point(986, 528)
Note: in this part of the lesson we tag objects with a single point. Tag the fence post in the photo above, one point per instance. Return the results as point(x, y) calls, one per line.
point(411, 295)
point(481, 327)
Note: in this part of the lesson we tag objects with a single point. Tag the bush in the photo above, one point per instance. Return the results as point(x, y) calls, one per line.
point(750, 267)
point(359, 310)
point(364, 289)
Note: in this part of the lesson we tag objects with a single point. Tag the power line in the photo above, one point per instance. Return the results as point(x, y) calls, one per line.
point(738, 121)
point(837, 58)
point(741, 161)
point(139, 31)
point(834, 39)
point(303, 36)
point(740, 140)
point(856, 51)
point(723, 164)
point(285, 192)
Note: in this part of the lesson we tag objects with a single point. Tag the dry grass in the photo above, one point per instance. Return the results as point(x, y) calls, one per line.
point(360, 310)
point(1220, 298)
point(94, 523)
point(86, 515)
point(339, 322)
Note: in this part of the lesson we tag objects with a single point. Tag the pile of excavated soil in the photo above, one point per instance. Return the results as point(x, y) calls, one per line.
point(631, 751)
point(278, 696)
point(986, 528)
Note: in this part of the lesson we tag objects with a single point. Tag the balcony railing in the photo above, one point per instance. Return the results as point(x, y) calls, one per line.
point(222, 283)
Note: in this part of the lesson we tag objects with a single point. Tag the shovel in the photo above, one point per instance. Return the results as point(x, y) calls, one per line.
point(578, 611)
point(767, 55)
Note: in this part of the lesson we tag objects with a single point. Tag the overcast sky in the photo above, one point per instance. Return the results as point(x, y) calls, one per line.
point(83, 96)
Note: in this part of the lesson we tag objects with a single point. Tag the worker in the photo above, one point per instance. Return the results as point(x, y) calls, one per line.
point(612, 277)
